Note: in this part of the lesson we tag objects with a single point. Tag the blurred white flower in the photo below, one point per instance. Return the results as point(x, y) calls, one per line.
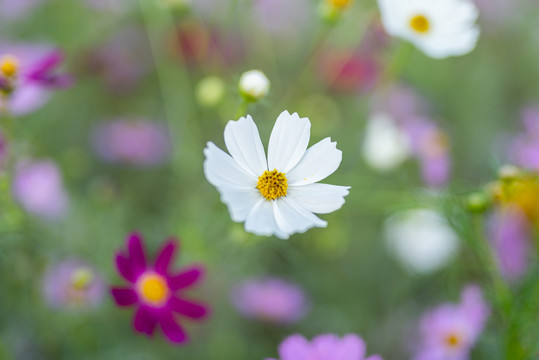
point(439, 28)
point(254, 85)
point(386, 146)
point(277, 196)
point(421, 240)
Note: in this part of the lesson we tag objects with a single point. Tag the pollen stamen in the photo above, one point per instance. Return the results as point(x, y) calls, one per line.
point(453, 340)
point(272, 184)
point(9, 66)
point(153, 289)
point(420, 24)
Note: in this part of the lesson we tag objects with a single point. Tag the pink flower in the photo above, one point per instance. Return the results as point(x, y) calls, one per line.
point(524, 148)
point(73, 284)
point(430, 145)
point(272, 300)
point(28, 73)
point(136, 142)
point(510, 235)
point(38, 188)
point(349, 72)
point(121, 61)
point(156, 291)
point(17, 9)
point(282, 17)
point(324, 347)
point(450, 331)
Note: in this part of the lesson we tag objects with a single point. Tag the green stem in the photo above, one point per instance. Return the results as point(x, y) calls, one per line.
point(171, 76)
point(242, 109)
point(396, 63)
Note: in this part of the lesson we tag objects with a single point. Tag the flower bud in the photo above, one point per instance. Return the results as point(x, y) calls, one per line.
point(478, 202)
point(508, 172)
point(210, 91)
point(254, 85)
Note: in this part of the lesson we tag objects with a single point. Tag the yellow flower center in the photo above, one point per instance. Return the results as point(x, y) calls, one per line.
point(453, 340)
point(420, 24)
point(153, 289)
point(522, 192)
point(272, 184)
point(81, 278)
point(340, 4)
point(9, 66)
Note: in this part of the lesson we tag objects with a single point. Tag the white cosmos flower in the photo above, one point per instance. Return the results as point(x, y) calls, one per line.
point(277, 196)
point(421, 240)
point(440, 28)
point(385, 146)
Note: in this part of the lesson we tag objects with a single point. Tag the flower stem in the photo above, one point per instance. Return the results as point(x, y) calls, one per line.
point(242, 109)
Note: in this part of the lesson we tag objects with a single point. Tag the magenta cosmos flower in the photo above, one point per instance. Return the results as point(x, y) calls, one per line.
point(324, 347)
point(450, 331)
point(272, 300)
point(28, 73)
point(155, 290)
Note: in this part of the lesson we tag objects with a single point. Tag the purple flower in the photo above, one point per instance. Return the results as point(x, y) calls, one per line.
point(73, 284)
point(324, 347)
point(400, 102)
point(155, 290)
point(430, 144)
point(431, 147)
point(271, 300)
point(136, 142)
point(282, 17)
point(450, 331)
point(38, 188)
point(524, 149)
point(509, 232)
point(17, 9)
point(122, 61)
point(28, 73)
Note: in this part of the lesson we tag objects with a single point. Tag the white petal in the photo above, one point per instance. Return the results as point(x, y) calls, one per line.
point(386, 146)
point(457, 44)
point(222, 171)
point(292, 218)
point(319, 198)
point(239, 202)
point(243, 142)
point(288, 141)
point(319, 161)
point(261, 221)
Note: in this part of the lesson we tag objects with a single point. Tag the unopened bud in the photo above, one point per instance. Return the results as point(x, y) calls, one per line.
point(478, 202)
point(254, 85)
point(210, 91)
point(508, 172)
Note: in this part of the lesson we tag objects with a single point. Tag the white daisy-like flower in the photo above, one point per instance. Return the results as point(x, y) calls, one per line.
point(421, 240)
point(440, 28)
point(385, 146)
point(280, 195)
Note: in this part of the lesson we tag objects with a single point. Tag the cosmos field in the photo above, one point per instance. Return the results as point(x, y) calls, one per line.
point(269, 179)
